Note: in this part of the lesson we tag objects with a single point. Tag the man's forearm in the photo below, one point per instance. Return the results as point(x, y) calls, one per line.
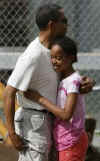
point(9, 109)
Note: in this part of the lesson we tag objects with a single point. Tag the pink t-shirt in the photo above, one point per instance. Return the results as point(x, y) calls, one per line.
point(67, 133)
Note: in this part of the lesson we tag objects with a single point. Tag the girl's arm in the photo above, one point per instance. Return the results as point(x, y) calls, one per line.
point(64, 114)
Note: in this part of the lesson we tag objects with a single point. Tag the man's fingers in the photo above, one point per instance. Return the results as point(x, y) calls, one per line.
point(21, 148)
point(18, 142)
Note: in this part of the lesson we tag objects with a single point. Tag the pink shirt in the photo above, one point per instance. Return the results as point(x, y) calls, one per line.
point(67, 133)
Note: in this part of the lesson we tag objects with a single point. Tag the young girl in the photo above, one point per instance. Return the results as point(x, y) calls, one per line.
point(71, 140)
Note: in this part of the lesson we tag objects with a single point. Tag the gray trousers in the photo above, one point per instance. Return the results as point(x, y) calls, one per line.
point(35, 129)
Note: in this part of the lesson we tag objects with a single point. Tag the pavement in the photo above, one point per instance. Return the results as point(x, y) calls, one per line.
point(8, 153)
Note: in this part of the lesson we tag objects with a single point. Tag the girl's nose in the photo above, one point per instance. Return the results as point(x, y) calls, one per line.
point(54, 61)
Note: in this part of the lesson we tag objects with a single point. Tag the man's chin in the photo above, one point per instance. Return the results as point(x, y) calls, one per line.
point(60, 35)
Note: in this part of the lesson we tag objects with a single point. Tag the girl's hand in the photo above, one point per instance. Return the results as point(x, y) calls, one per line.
point(33, 95)
point(86, 85)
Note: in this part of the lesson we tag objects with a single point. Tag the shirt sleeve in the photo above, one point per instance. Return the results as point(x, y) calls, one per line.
point(73, 86)
point(24, 71)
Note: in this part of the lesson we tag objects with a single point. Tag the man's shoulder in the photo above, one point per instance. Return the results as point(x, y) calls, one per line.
point(35, 41)
point(33, 50)
point(35, 44)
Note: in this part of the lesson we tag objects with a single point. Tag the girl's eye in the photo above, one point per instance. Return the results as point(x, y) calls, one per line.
point(52, 57)
point(57, 57)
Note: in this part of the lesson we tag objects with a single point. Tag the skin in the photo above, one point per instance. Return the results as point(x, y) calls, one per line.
point(61, 63)
point(9, 107)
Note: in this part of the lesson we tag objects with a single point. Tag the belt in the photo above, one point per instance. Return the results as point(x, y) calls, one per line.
point(44, 111)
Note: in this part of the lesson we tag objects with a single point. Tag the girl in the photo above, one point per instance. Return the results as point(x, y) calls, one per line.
point(71, 140)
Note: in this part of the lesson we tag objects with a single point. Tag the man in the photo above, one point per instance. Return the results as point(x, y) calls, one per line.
point(31, 133)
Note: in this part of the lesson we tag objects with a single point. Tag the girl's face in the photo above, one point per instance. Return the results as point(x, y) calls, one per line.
point(61, 63)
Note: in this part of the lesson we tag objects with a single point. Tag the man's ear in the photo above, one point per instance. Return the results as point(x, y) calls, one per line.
point(51, 26)
point(50, 23)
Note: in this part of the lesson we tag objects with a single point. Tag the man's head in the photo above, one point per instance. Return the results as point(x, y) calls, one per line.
point(51, 17)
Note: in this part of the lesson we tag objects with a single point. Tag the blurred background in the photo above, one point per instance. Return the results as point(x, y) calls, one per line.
point(18, 29)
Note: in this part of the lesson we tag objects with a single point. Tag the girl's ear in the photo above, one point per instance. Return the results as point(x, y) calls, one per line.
point(73, 58)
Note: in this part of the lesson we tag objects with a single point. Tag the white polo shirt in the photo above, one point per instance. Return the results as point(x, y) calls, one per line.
point(34, 70)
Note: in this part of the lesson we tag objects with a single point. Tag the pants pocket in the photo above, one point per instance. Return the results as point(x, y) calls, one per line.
point(19, 127)
point(37, 122)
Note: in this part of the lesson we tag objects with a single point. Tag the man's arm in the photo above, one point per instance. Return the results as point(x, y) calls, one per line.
point(86, 85)
point(9, 109)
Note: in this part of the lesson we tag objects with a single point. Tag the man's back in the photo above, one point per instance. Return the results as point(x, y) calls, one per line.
point(34, 71)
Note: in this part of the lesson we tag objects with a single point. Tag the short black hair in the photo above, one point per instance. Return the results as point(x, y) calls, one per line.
point(47, 12)
point(68, 45)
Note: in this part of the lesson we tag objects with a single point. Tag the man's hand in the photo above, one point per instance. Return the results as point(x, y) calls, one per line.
point(17, 142)
point(86, 85)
